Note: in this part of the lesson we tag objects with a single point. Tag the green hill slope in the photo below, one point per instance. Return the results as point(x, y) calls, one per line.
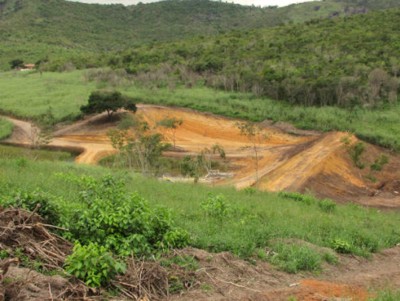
point(343, 61)
point(36, 29)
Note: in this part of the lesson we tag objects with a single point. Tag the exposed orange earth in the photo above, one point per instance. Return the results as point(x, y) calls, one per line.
point(315, 163)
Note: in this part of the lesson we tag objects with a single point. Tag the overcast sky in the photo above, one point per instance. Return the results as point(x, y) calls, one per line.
point(243, 2)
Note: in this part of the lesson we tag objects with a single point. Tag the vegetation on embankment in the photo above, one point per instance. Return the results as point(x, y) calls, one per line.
point(62, 94)
point(246, 223)
point(6, 128)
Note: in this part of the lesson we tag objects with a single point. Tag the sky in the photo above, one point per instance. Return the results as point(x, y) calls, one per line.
point(243, 2)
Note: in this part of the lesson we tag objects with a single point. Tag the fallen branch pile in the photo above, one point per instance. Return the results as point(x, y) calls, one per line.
point(25, 231)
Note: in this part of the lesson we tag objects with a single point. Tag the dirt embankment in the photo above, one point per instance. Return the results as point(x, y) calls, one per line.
point(315, 163)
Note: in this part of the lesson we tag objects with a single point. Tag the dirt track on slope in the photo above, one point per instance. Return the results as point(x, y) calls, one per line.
point(316, 163)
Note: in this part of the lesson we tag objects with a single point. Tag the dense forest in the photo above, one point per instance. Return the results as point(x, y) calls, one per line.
point(344, 61)
point(60, 30)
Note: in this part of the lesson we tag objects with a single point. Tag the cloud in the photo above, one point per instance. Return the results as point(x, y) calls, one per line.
point(243, 2)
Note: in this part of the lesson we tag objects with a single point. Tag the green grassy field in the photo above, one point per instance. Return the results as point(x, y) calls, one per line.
point(221, 218)
point(5, 128)
point(64, 93)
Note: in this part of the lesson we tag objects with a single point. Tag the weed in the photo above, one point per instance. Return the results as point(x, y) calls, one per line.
point(295, 258)
point(330, 258)
point(306, 199)
point(327, 205)
point(4, 254)
point(261, 254)
point(371, 178)
point(216, 206)
point(206, 287)
point(381, 161)
point(355, 152)
point(387, 295)
point(36, 201)
point(250, 190)
point(175, 285)
point(188, 263)
point(341, 246)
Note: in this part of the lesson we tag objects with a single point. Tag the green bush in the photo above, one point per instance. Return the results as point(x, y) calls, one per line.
point(93, 264)
point(216, 206)
point(123, 223)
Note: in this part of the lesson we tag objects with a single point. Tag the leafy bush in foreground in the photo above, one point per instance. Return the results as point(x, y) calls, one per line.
point(93, 264)
point(123, 223)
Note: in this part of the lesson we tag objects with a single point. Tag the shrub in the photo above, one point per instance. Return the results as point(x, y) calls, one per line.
point(93, 264)
point(123, 223)
point(216, 206)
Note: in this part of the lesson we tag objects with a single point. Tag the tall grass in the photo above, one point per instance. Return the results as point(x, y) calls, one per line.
point(66, 92)
point(6, 128)
point(248, 221)
point(12, 152)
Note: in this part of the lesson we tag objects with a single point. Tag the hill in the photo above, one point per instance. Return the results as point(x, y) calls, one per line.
point(344, 61)
point(38, 29)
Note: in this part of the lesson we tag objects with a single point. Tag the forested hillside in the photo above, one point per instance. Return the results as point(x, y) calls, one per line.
point(344, 61)
point(60, 30)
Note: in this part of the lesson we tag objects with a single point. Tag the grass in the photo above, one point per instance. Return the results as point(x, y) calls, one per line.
point(6, 128)
point(23, 154)
point(387, 295)
point(221, 218)
point(64, 93)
